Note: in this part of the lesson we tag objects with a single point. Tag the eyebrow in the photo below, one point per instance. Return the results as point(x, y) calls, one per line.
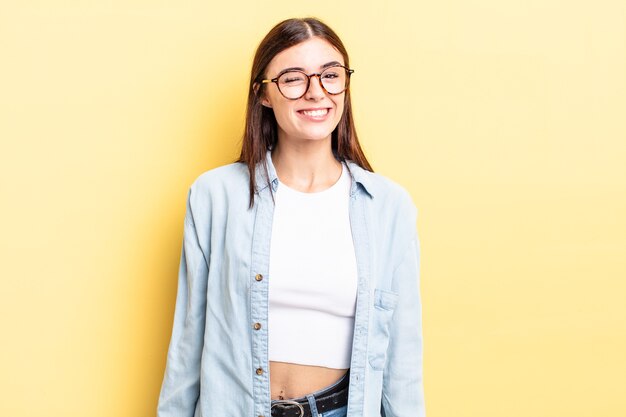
point(326, 65)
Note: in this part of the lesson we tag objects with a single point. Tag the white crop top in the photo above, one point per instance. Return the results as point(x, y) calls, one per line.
point(312, 277)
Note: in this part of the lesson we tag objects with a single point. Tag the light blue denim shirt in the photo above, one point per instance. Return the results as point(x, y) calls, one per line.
point(217, 361)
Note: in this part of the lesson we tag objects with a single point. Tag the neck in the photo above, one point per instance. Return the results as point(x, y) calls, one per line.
point(308, 166)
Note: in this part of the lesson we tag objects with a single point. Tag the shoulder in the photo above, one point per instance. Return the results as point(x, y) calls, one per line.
point(220, 185)
point(225, 175)
point(387, 194)
point(390, 209)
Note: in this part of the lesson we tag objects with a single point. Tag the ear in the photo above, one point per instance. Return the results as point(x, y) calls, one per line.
point(264, 101)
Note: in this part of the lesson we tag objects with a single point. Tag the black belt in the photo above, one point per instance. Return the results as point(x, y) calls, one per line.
point(334, 397)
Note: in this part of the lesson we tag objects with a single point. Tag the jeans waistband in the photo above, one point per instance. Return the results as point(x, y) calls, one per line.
point(325, 399)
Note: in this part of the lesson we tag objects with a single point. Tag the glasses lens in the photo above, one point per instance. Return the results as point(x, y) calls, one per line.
point(292, 84)
point(334, 79)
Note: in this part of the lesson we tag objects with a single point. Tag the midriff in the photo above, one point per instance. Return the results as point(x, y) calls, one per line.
point(290, 380)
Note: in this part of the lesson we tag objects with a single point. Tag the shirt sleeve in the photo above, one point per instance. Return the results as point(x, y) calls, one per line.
point(181, 384)
point(403, 390)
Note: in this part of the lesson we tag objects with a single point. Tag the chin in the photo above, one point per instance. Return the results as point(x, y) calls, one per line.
point(310, 134)
point(317, 137)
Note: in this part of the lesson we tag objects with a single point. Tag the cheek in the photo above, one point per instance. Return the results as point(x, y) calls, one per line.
point(340, 109)
point(270, 97)
point(283, 114)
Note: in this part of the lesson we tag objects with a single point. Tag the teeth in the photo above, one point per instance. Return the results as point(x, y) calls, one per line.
point(316, 113)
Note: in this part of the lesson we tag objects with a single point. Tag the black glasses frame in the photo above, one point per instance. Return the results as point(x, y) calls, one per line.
point(308, 80)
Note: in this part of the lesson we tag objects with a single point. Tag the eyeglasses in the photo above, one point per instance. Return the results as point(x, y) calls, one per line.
point(293, 84)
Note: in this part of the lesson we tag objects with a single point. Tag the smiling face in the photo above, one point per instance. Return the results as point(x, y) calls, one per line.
point(315, 115)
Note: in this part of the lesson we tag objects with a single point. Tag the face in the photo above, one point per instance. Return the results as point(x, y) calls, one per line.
point(315, 115)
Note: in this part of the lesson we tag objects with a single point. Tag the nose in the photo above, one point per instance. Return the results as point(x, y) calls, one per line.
point(315, 91)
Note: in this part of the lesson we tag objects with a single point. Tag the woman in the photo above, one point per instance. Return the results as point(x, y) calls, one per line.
point(299, 277)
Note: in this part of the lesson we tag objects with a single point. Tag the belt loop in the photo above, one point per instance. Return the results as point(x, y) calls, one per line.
point(312, 405)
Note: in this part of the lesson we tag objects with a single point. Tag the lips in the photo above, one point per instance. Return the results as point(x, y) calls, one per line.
point(315, 114)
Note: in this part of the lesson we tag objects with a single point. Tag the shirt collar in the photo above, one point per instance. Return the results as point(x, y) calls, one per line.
point(359, 176)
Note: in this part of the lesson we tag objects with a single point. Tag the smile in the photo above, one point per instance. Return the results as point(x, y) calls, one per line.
point(314, 115)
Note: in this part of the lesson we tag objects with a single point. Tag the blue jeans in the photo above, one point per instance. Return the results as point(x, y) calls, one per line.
point(310, 398)
point(337, 412)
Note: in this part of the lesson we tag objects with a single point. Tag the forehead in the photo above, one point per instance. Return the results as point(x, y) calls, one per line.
point(310, 55)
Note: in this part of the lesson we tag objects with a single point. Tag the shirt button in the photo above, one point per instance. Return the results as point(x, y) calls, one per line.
point(258, 277)
point(257, 326)
point(259, 371)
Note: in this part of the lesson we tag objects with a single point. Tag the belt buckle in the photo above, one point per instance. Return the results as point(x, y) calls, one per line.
point(289, 402)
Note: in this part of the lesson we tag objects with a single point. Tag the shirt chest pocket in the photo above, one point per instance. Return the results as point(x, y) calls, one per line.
point(384, 306)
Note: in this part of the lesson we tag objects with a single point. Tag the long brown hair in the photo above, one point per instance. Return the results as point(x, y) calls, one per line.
point(261, 129)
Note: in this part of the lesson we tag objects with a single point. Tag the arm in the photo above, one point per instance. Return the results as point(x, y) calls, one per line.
point(181, 384)
point(403, 389)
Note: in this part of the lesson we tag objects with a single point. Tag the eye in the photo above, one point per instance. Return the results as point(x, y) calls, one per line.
point(291, 78)
point(329, 75)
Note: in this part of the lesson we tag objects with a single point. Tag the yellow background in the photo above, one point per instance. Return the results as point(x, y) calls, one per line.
point(504, 119)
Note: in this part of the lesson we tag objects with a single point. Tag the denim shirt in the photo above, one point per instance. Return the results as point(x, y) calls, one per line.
point(217, 361)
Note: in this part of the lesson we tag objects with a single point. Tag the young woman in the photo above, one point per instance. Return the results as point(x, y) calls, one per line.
point(298, 289)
